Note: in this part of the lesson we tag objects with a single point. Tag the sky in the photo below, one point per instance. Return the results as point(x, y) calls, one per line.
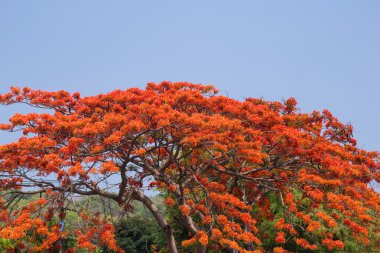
point(326, 54)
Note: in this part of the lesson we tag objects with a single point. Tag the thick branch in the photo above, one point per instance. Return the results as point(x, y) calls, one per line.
point(140, 196)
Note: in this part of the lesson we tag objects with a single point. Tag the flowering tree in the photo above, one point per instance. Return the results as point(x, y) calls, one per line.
point(220, 161)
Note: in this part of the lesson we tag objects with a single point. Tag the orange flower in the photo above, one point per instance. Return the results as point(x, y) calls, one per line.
point(185, 210)
point(280, 238)
point(216, 233)
point(41, 201)
point(203, 238)
point(169, 201)
point(207, 219)
point(333, 244)
point(279, 250)
point(314, 225)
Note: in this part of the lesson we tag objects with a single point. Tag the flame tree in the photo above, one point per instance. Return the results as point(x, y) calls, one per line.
point(220, 161)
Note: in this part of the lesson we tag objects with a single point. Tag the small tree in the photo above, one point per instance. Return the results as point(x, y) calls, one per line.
point(221, 162)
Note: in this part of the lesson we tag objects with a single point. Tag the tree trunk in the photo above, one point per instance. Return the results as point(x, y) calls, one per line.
point(140, 196)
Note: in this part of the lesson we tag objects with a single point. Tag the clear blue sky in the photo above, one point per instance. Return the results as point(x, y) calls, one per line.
point(324, 53)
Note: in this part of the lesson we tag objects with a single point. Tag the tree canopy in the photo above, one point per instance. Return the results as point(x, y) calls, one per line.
point(231, 171)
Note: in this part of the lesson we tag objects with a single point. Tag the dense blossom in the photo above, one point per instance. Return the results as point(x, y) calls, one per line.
point(221, 162)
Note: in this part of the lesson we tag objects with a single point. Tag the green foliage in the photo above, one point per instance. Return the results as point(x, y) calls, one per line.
point(139, 235)
point(267, 233)
point(5, 244)
point(173, 215)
